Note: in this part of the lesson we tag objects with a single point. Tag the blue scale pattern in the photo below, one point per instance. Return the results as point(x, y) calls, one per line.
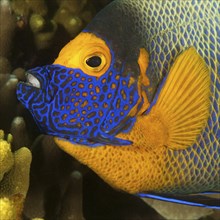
point(84, 109)
point(169, 27)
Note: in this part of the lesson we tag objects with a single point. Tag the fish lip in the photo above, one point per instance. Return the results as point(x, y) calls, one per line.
point(32, 80)
point(27, 84)
point(38, 79)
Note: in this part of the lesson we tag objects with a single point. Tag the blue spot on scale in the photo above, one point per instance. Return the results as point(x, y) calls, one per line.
point(162, 57)
point(215, 4)
point(157, 49)
point(212, 46)
point(217, 29)
point(196, 8)
point(211, 22)
point(182, 14)
point(159, 19)
point(158, 40)
point(168, 57)
point(153, 44)
point(187, 157)
point(202, 145)
point(214, 117)
point(198, 150)
point(177, 10)
point(212, 137)
point(212, 63)
point(200, 166)
point(202, 6)
point(189, 42)
point(192, 155)
point(174, 38)
point(218, 84)
point(182, 42)
point(173, 52)
point(215, 156)
point(176, 153)
point(209, 169)
point(167, 11)
point(216, 95)
point(207, 61)
point(183, 166)
point(196, 39)
point(166, 50)
point(202, 157)
point(207, 141)
point(200, 14)
point(216, 130)
point(189, 28)
point(210, 151)
point(212, 31)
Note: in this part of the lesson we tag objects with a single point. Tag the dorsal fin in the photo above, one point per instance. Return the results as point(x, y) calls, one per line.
point(183, 102)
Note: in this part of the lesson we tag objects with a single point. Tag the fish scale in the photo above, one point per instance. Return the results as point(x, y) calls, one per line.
point(168, 27)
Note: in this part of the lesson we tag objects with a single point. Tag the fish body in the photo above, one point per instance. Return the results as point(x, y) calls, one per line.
point(151, 83)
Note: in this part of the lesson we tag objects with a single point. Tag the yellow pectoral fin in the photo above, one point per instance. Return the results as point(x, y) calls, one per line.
point(183, 103)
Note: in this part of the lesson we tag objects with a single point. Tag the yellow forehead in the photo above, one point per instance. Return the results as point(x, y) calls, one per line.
point(84, 46)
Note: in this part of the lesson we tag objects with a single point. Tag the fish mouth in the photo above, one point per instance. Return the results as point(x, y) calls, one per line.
point(32, 80)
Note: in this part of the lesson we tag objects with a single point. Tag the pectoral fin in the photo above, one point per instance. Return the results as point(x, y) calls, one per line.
point(182, 104)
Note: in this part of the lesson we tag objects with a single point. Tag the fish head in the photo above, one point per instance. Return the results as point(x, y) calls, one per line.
point(87, 95)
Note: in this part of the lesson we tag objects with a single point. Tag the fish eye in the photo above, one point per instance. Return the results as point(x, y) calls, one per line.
point(94, 61)
point(87, 52)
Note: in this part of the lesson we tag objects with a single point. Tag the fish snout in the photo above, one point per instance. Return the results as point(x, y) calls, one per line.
point(31, 90)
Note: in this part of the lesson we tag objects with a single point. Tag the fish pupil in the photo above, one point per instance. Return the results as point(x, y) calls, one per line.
point(94, 61)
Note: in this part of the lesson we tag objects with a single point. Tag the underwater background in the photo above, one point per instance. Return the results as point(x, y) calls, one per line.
point(32, 32)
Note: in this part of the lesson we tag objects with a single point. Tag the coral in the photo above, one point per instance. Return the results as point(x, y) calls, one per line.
point(35, 13)
point(22, 7)
point(37, 23)
point(8, 84)
point(44, 30)
point(55, 185)
point(5, 64)
point(73, 15)
point(6, 159)
point(7, 27)
point(44, 40)
point(14, 171)
point(7, 209)
point(72, 204)
point(20, 134)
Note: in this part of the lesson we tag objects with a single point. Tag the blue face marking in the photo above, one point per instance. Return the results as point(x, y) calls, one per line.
point(81, 108)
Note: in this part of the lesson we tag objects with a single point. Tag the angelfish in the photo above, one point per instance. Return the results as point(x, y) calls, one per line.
point(135, 97)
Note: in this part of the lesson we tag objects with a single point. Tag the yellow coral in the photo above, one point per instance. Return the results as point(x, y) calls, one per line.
point(6, 159)
point(7, 209)
point(14, 182)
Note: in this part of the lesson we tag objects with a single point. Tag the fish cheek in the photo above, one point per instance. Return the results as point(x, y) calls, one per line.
point(78, 106)
point(131, 99)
